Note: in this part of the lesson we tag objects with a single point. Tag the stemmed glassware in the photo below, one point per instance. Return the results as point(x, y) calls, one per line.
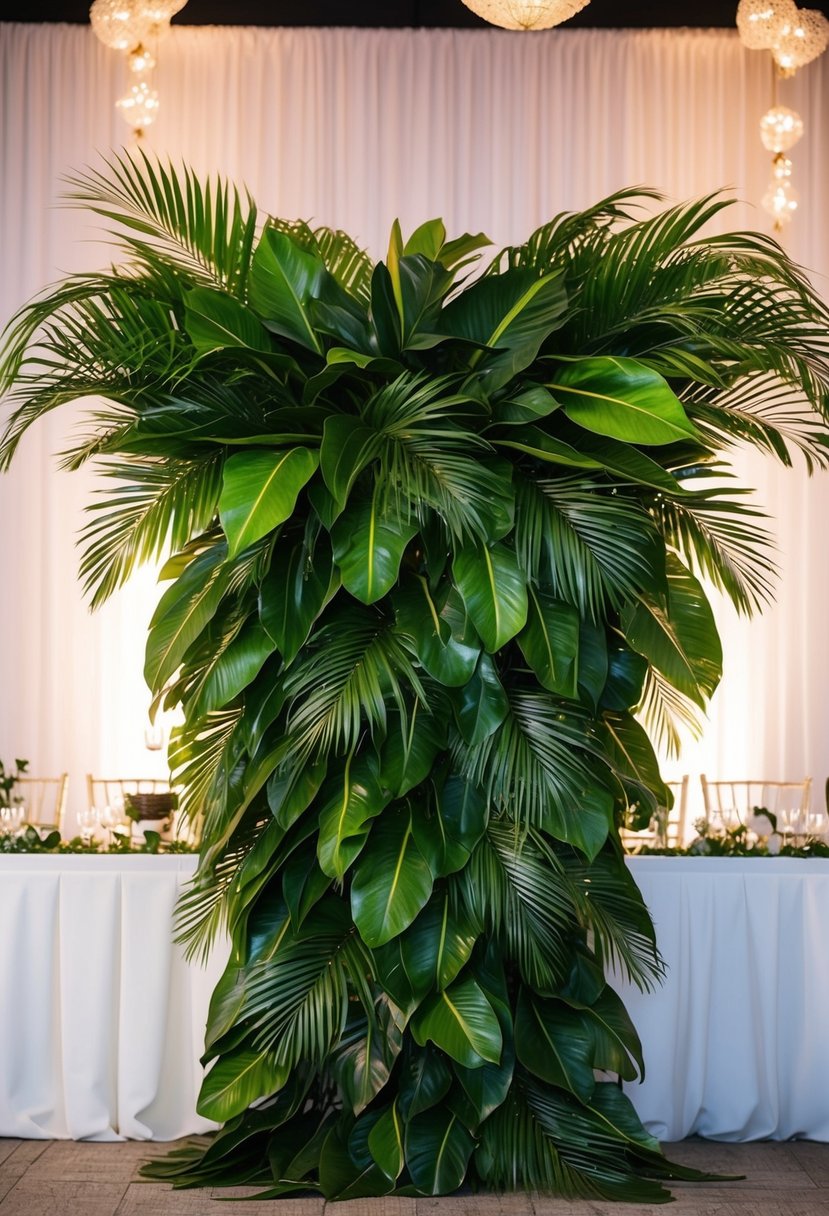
point(88, 820)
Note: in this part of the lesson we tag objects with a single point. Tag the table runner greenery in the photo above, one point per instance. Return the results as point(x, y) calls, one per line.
point(436, 525)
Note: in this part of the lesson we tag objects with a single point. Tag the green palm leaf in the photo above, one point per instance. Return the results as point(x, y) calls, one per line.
point(156, 504)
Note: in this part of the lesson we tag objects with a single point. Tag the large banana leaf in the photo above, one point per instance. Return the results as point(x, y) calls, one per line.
point(369, 542)
point(462, 1022)
point(392, 881)
point(679, 635)
point(438, 1148)
point(283, 281)
point(494, 590)
point(623, 399)
point(437, 945)
point(260, 491)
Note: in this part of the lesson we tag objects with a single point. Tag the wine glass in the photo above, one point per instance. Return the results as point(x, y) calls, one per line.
point(88, 819)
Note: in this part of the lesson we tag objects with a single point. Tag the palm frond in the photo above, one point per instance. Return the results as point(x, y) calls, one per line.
point(666, 712)
point(156, 503)
point(718, 537)
point(592, 547)
point(552, 244)
point(353, 669)
point(515, 889)
point(610, 904)
point(539, 764)
point(205, 232)
point(764, 412)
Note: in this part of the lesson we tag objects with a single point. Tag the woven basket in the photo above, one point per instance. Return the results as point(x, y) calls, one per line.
point(150, 806)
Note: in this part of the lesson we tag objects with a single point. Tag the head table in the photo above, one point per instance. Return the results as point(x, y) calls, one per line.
point(102, 1019)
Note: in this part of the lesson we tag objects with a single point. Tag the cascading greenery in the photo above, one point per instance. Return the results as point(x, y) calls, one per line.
point(436, 546)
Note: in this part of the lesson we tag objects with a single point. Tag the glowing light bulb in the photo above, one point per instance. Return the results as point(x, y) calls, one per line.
point(780, 201)
point(139, 107)
point(526, 14)
point(120, 24)
point(140, 60)
point(760, 22)
point(780, 129)
point(800, 40)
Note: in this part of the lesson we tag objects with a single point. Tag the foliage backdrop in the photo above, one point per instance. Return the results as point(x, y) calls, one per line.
point(436, 536)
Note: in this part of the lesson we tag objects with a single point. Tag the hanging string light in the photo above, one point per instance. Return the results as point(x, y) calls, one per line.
point(131, 26)
point(526, 14)
point(795, 37)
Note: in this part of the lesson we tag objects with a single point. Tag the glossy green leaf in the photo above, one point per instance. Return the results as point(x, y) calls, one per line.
point(438, 1148)
point(348, 446)
point(184, 611)
point(679, 637)
point(437, 945)
point(283, 281)
point(235, 669)
point(448, 827)
point(348, 806)
point(293, 594)
point(215, 320)
point(462, 1022)
point(341, 1179)
point(494, 590)
point(238, 1079)
point(512, 313)
point(624, 399)
point(631, 752)
point(385, 1142)
point(392, 881)
point(424, 1079)
point(411, 745)
point(550, 643)
point(487, 1087)
point(292, 789)
point(303, 884)
point(552, 1042)
point(593, 661)
point(363, 1067)
point(438, 630)
point(259, 492)
point(625, 678)
point(369, 544)
point(481, 704)
point(528, 405)
point(615, 1043)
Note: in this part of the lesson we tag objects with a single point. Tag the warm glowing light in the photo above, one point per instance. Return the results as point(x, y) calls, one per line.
point(780, 129)
point(760, 22)
point(801, 40)
point(120, 24)
point(139, 107)
point(140, 60)
point(781, 201)
point(526, 14)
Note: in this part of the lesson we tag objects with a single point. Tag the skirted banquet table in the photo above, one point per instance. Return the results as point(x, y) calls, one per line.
point(102, 1019)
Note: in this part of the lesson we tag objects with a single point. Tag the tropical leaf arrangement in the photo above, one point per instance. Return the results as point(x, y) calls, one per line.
point(437, 527)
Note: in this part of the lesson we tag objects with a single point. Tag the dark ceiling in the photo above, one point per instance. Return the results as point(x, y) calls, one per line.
point(449, 13)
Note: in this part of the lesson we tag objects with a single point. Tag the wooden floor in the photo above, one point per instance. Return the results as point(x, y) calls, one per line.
point(64, 1178)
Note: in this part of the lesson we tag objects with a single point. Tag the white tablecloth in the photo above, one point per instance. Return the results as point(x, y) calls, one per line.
point(737, 1041)
point(101, 1019)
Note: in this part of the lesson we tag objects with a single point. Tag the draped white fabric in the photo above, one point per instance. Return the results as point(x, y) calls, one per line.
point(491, 130)
point(733, 1041)
point(101, 1018)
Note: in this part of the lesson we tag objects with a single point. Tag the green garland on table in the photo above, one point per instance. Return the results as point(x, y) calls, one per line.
point(437, 537)
point(29, 840)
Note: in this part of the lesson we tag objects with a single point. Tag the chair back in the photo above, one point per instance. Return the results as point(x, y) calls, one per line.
point(728, 804)
point(113, 791)
point(44, 799)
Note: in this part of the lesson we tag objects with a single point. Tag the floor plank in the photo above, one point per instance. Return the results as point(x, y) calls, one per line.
point(66, 1178)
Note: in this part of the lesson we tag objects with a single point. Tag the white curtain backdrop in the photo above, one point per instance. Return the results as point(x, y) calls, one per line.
point(352, 128)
